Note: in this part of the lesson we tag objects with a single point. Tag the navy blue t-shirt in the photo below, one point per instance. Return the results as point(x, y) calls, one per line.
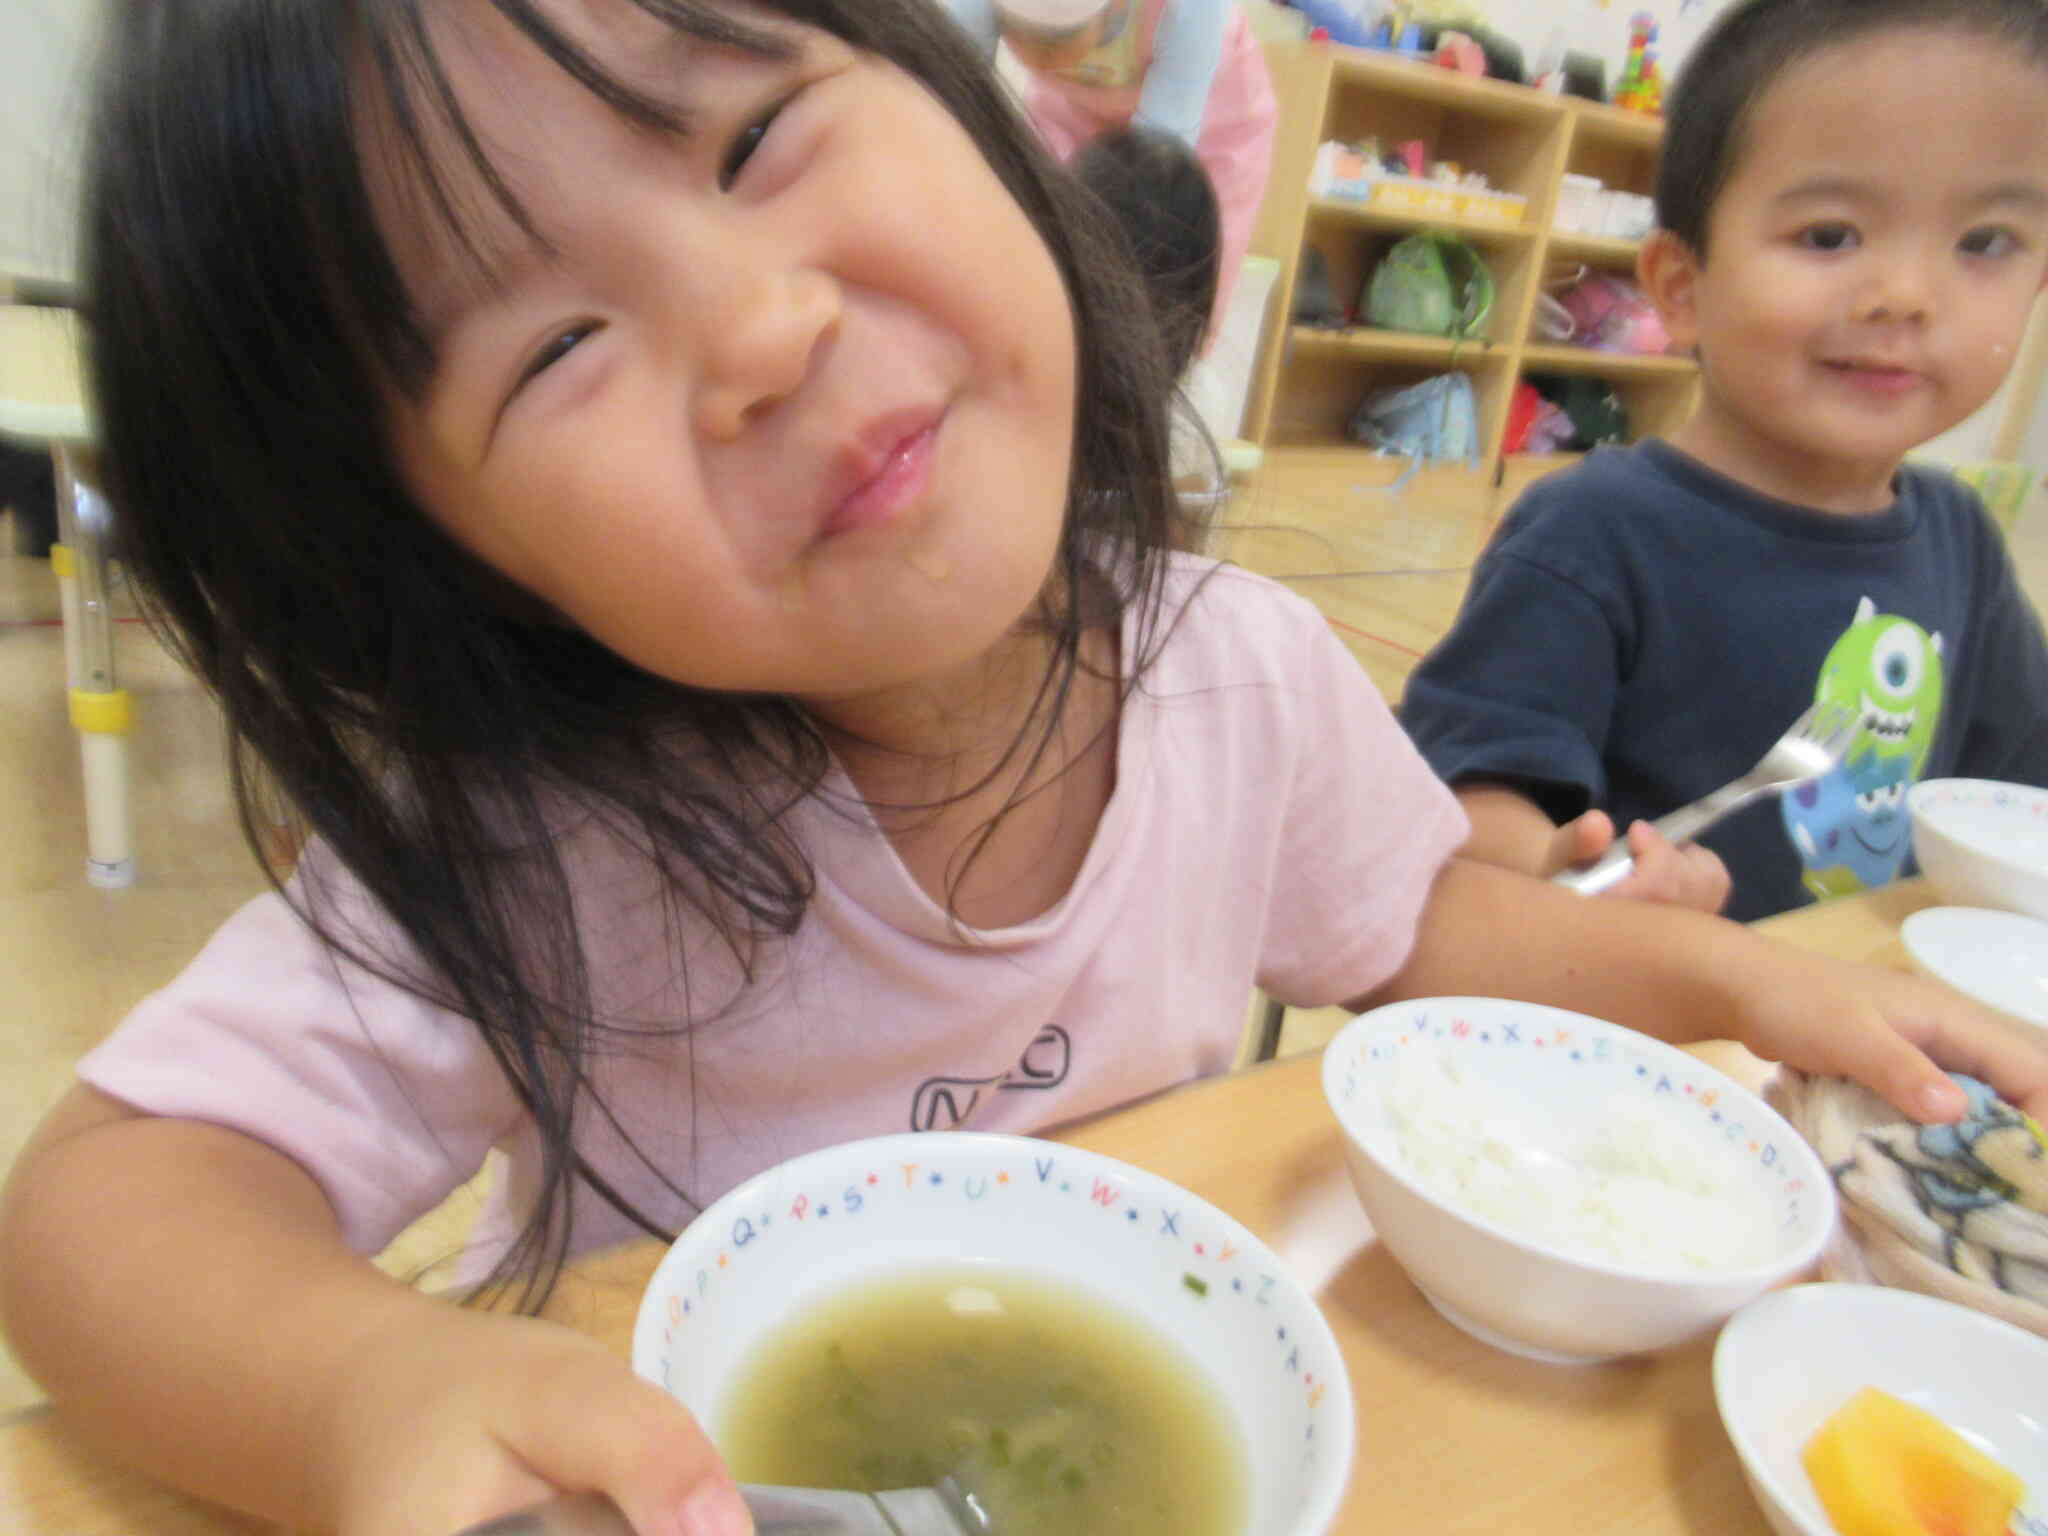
point(1642, 629)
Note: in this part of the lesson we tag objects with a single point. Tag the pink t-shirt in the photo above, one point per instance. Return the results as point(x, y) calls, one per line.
point(1270, 824)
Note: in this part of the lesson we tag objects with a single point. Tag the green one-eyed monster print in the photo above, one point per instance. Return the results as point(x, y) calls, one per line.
point(1850, 825)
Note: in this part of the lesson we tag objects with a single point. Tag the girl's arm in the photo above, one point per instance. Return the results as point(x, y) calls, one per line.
point(183, 1292)
point(1684, 976)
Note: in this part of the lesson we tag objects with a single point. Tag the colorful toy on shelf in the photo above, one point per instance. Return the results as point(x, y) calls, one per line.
point(1642, 83)
point(1340, 21)
point(1404, 180)
point(1456, 50)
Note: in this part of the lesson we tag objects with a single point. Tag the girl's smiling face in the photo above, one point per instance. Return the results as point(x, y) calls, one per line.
point(1870, 263)
point(780, 403)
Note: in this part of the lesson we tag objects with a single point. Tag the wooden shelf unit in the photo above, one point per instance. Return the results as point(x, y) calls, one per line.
point(1309, 380)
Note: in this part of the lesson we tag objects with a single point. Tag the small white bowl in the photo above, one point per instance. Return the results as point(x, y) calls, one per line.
point(1998, 958)
point(1982, 843)
point(1549, 1092)
point(850, 1214)
point(1788, 1361)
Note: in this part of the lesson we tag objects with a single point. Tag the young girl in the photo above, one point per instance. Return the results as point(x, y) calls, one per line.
point(673, 494)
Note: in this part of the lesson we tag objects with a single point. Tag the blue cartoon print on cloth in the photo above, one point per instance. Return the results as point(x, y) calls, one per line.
point(1850, 825)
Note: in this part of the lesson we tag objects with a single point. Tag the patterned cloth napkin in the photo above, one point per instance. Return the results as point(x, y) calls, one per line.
point(1959, 1211)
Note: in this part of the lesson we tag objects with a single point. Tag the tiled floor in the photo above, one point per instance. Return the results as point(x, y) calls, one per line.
point(1387, 569)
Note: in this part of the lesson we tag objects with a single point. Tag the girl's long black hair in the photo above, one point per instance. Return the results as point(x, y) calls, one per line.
point(247, 322)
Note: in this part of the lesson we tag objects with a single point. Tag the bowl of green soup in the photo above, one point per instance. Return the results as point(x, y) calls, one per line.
point(1087, 1347)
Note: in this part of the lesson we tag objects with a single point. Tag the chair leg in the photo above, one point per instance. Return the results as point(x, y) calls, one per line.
point(1269, 1030)
point(101, 711)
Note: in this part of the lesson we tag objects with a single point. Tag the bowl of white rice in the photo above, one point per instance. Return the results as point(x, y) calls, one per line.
point(1562, 1187)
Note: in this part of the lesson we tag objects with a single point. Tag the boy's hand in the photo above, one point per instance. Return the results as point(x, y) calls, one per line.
point(455, 1419)
point(1678, 874)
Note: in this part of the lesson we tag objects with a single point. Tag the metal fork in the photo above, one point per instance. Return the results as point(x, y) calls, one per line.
point(1811, 746)
point(943, 1509)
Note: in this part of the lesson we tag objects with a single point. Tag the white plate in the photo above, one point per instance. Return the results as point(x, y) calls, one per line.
point(1999, 958)
point(1788, 1360)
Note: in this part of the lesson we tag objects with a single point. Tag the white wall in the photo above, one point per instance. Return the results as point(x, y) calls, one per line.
point(1599, 27)
point(1978, 437)
point(42, 53)
point(1970, 441)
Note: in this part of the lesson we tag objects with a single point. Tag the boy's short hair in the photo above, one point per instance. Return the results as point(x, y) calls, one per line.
point(1752, 43)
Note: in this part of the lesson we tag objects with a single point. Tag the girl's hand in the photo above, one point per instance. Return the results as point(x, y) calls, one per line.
point(458, 1418)
point(1898, 1034)
point(1677, 874)
point(1685, 977)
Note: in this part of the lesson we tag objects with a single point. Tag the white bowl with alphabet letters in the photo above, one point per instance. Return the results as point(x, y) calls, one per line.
point(867, 1211)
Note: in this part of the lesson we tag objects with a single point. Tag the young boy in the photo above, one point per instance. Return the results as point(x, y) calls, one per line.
point(1853, 211)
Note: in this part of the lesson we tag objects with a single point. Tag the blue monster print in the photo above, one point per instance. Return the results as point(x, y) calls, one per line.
point(1850, 825)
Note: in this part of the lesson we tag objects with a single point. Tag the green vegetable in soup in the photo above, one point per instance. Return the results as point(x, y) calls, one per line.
point(1064, 1415)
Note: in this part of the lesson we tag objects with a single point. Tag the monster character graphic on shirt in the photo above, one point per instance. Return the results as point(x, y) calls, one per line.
point(1850, 824)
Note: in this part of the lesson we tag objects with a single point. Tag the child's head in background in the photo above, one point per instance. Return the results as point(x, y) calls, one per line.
point(1165, 204)
point(1853, 224)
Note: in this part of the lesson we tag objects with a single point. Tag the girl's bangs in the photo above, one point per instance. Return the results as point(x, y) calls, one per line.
point(409, 117)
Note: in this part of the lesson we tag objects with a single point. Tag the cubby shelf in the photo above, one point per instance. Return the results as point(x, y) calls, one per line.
point(1481, 232)
point(1309, 379)
point(1366, 342)
point(1594, 250)
point(1548, 357)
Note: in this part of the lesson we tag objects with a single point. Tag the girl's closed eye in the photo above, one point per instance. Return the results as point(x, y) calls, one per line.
point(553, 350)
point(772, 145)
point(560, 342)
point(744, 143)
point(768, 129)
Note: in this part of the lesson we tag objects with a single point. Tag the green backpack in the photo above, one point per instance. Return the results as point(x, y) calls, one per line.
point(1431, 282)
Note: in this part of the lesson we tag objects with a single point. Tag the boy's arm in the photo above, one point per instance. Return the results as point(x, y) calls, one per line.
point(183, 1292)
point(1684, 976)
point(1511, 830)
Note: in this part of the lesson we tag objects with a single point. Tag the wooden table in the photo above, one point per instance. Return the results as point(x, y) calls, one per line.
point(1453, 1436)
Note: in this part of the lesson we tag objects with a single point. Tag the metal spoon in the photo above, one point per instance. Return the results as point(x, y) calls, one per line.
point(945, 1509)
